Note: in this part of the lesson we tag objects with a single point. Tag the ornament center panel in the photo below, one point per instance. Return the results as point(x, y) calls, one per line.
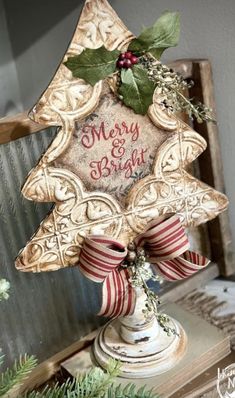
point(112, 148)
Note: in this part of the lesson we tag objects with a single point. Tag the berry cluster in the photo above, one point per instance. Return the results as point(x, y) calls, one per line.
point(126, 60)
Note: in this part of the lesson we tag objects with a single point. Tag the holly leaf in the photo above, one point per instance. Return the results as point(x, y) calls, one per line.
point(157, 38)
point(136, 90)
point(93, 65)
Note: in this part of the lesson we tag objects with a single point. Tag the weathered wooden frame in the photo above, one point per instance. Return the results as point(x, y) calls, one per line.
point(210, 163)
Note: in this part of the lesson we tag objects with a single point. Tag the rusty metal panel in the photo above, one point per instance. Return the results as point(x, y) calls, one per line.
point(45, 312)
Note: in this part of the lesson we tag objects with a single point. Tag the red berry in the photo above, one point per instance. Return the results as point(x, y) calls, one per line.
point(127, 63)
point(120, 63)
point(134, 60)
point(128, 54)
point(122, 56)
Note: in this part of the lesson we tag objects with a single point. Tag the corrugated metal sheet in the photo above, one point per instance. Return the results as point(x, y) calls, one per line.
point(45, 312)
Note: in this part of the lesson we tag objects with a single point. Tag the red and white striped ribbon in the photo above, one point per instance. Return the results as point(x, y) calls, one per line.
point(166, 245)
point(100, 261)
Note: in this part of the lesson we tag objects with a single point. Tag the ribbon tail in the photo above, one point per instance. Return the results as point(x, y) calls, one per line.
point(118, 296)
point(181, 267)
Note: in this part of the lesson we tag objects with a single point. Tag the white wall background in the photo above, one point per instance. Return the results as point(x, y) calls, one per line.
point(39, 33)
point(10, 101)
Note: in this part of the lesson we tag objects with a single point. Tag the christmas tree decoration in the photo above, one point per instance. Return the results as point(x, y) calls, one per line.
point(117, 173)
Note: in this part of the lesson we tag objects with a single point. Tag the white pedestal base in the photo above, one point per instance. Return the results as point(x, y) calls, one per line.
point(148, 356)
point(207, 345)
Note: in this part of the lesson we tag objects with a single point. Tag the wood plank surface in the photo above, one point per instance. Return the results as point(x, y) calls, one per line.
point(18, 126)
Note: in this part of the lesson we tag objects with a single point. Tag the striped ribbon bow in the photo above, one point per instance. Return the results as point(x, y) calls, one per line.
point(166, 245)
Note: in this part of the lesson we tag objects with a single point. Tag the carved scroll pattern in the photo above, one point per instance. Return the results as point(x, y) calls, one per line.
point(68, 99)
point(78, 213)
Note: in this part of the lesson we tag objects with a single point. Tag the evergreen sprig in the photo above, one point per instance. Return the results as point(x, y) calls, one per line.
point(17, 374)
point(130, 391)
point(57, 391)
point(96, 383)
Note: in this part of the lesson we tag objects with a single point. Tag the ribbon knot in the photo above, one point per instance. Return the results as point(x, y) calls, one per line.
point(167, 247)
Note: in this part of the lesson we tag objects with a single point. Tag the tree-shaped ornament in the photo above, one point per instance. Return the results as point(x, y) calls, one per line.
point(116, 173)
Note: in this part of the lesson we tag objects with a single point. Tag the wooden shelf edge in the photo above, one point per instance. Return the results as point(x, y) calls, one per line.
point(48, 368)
point(18, 126)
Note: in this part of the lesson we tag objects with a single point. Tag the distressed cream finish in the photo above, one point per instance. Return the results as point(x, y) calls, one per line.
point(140, 344)
point(77, 212)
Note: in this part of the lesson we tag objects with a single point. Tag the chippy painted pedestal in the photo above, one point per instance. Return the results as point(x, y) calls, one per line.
point(206, 346)
point(90, 198)
point(140, 344)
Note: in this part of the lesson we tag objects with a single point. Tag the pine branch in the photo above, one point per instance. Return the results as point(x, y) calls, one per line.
point(95, 383)
point(57, 391)
point(17, 374)
point(130, 391)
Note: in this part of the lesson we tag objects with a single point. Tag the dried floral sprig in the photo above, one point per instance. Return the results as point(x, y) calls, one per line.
point(141, 273)
point(139, 73)
point(171, 86)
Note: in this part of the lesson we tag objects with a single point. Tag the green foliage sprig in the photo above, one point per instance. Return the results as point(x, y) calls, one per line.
point(141, 274)
point(171, 86)
point(163, 34)
point(96, 383)
point(16, 375)
point(56, 391)
point(141, 73)
point(21, 368)
point(136, 89)
point(93, 65)
point(130, 391)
